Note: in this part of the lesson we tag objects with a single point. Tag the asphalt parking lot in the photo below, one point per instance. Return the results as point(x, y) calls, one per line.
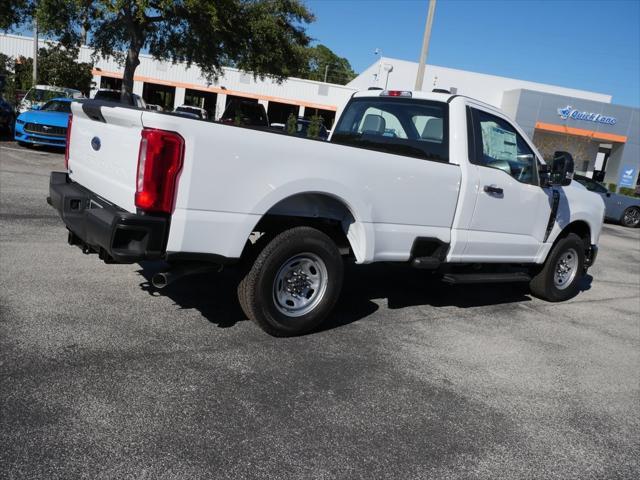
point(103, 377)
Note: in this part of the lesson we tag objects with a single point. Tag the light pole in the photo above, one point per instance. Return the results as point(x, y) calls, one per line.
point(378, 52)
point(425, 44)
point(387, 67)
point(35, 50)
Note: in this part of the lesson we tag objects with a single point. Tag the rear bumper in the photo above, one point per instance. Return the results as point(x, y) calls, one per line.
point(100, 227)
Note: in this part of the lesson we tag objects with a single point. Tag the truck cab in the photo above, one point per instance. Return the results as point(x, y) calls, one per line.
point(504, 201)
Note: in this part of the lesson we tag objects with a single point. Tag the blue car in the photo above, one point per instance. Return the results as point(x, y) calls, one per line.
point(46, 125)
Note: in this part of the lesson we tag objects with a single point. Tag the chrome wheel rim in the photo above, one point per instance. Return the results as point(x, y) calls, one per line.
point(566, 269)
point(632, 217)
point(300, 284)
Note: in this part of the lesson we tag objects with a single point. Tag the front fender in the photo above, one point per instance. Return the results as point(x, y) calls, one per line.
point(577, 205)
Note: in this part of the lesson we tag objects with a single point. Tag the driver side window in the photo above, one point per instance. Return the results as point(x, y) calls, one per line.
point(498, 145)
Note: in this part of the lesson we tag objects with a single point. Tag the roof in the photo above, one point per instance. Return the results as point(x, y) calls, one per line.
point(57, 89)
point(419, 94)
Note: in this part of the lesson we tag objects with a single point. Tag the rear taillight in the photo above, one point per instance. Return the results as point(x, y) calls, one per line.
point(159, 163)
point(66, 148)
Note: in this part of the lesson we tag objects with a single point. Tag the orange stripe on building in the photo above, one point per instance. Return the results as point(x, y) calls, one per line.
point(193, 86)
point(551, 127)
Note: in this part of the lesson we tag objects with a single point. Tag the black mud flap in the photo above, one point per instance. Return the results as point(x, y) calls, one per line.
point(554, 213)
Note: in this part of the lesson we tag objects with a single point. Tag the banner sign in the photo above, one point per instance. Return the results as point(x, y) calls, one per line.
point(627, 177)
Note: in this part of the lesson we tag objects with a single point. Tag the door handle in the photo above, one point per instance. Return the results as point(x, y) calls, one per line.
point(493, 190)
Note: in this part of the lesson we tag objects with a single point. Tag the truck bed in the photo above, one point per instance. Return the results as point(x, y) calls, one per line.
point(232, 176)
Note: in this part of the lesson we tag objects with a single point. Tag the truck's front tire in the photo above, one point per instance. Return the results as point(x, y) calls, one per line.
point(294, 282)
point(559, 278)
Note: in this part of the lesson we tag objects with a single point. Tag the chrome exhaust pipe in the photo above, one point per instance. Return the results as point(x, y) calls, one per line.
point(162, 279)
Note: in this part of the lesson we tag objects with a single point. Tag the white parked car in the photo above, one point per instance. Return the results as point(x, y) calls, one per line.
point(200, 113)
point(37, 96)
point(438, 181)
point(114, 96)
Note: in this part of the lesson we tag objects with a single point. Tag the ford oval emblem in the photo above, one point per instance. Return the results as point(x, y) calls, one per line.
point(95, 143)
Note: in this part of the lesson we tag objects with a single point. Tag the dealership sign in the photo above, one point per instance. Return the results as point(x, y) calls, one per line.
point(627, 176)
point(570, 112)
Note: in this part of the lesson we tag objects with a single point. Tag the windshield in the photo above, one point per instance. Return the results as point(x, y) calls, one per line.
point(107, 95)
point(404, 126)
point(38, 95)
point(246, 113)
point(188, 110)
point(57, 106)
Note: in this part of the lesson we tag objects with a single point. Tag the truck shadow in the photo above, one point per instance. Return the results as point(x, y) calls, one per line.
point(214, 294)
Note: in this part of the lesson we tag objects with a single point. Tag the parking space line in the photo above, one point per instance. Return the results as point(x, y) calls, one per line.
point(22, 150)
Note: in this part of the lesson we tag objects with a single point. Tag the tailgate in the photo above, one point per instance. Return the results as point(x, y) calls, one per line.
point(103, 152)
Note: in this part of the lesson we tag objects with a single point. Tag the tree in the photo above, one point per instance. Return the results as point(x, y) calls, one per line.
point(323, 60)
point(7, 78)
point(16, 74)
point(57, 66)
point(266, 37)
point(14, 13)
point(292, 124)
point(313, 130)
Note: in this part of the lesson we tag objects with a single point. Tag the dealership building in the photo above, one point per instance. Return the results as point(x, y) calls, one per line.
point(601, 135)
point(172, 84)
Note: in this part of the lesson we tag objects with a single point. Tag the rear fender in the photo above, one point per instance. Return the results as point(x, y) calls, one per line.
point(318, 203)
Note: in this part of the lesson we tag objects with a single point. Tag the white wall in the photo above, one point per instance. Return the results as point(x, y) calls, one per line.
point(292, 90)
point(487, 88)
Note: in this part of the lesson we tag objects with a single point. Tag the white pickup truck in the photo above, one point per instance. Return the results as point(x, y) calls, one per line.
point(438, 181)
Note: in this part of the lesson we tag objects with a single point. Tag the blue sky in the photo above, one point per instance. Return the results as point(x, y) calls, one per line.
point(592, 45)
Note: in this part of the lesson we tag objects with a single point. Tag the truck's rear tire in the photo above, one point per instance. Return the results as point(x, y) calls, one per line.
point(559, 278)
point(293, 283)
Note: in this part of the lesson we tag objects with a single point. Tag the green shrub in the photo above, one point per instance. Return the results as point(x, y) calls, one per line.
point(613, 187)
point(631, 192)
point(292, 124)
point(313, 131)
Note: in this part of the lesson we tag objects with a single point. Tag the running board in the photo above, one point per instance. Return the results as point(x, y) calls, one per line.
point(459, 278)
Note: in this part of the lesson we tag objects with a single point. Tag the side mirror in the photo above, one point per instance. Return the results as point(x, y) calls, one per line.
point(608, 194)
point(562, 169)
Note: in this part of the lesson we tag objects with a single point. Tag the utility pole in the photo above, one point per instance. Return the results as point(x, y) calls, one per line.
point(425, 44)
point(326, 70)
point(35, 50)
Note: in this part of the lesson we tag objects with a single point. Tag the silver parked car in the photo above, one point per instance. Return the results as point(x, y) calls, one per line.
point(618, 208)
